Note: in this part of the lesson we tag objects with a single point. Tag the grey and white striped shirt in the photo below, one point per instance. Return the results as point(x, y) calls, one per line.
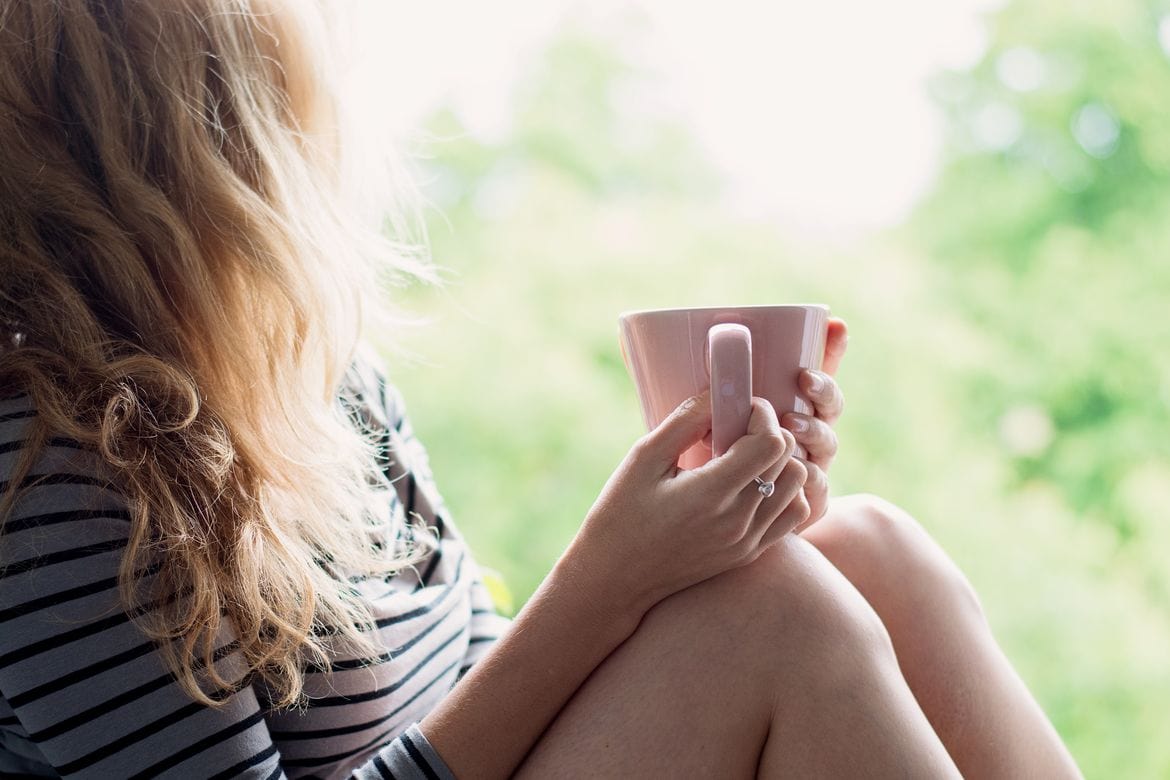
point(84, 693)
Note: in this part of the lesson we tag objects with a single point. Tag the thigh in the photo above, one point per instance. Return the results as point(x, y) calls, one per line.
point(758, 670)
point(682, 697)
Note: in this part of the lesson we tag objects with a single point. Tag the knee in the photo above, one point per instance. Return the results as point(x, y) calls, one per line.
point(790, 605)
point(890, 556)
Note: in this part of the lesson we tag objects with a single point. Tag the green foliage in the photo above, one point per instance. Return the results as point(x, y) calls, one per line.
point(1007, 377)
point(1054, 239)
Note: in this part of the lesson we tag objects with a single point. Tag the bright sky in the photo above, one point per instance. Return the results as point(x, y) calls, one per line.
point(817, 112)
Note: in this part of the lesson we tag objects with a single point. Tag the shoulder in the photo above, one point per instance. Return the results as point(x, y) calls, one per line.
point(81, 686)
point(16, 413)
point(367, 394)
point(65, 508)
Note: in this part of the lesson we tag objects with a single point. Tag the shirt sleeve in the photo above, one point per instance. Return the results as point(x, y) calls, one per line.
point(410, 757)
point(408, 468)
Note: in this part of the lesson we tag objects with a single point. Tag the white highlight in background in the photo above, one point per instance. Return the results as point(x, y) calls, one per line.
point(816, 113)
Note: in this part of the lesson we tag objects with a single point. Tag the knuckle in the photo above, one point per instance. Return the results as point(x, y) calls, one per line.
point(734, 531)
point(713, 507)
point(782, 443)
point(643, 446)
point(767, 414)
point(831, 410)
point(779, 444)
point(816, 477)
point(819, 503)
point(737, 536)
point(833, 443)
point(800, 509)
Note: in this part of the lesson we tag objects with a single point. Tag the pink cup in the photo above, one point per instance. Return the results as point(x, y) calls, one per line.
point(735, 351)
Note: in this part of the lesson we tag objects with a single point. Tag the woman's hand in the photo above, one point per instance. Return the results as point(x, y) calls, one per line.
point(815, 433)
point(657, 529)
point(654, 530)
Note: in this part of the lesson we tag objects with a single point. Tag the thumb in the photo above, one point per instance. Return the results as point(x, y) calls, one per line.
point(686, 425)
point(835, 344)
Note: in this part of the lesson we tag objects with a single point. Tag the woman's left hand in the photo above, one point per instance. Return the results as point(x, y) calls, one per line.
point(815, 433)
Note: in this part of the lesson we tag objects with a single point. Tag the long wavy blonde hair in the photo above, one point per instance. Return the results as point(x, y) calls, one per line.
point(183, 281)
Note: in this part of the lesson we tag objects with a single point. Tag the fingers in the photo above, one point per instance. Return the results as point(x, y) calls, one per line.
point(793, 516)
point(816, 436)
point(816, 493)
point(749, 498)
point(764, 446)
point(835, 344)
point(687, 424)
point(801, 498)
point(788, 483)
point(785, 509)
point(822, 392)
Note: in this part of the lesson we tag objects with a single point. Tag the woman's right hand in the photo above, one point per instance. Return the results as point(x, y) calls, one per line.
point(657, 529)
point(653, 531)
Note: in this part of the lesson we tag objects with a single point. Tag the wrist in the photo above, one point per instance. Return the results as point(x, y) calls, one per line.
point(593, 585)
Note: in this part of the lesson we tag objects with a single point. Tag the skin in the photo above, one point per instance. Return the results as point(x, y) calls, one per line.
point(686, 631)
point(975, 701)
point(947, 654)
point(750, 673)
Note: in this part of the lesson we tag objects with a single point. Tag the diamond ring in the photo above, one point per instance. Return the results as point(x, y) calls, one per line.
point(766, 488)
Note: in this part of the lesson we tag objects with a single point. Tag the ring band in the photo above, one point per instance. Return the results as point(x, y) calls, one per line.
point(766, 488)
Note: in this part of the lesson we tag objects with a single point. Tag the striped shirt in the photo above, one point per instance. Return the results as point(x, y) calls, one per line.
point(83, 692)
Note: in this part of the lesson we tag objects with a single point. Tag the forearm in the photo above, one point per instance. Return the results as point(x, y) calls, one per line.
point(655, 530)
point(486, 726)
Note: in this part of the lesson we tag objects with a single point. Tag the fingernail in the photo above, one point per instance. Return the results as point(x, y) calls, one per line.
point(797, 424)
point(690, 402)
point(816, 383)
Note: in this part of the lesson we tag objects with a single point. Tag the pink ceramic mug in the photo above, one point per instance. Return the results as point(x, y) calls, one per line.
point(736, 351)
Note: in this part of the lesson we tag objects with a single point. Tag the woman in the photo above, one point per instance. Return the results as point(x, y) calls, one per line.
point(222, 553)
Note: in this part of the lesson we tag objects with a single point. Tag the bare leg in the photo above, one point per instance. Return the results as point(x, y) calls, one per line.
point(975, 701)
point(778, 668)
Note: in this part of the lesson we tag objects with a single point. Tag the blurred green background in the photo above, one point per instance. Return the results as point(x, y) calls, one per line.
point(1007, 376)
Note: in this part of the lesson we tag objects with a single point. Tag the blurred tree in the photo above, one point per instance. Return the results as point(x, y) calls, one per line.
point(1050, 230)
point(585, 115)
point(1025, 353)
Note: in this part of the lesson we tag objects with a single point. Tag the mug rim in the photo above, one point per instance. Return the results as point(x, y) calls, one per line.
point(751, 306)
